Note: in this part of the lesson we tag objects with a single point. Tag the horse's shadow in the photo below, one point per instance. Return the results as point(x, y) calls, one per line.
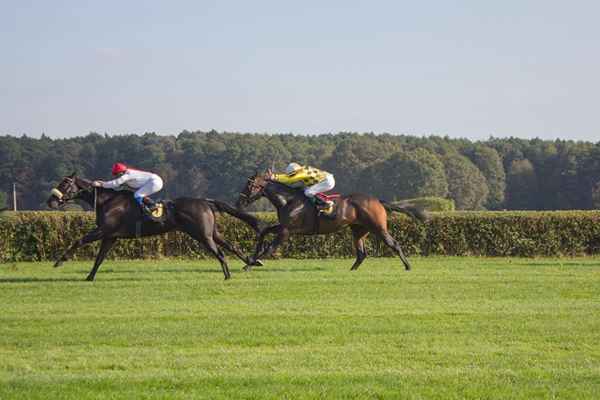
point(206, 271)
point(156, 270)
point(557, 263)
point(31, 279)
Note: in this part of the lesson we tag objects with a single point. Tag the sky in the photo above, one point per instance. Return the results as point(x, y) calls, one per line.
point(471, 69)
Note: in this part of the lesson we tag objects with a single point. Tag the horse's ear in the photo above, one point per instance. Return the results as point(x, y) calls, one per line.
point(73, 175)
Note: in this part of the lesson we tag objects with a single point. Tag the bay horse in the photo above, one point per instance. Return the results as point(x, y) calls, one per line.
point(297, 215)
point(118, 216)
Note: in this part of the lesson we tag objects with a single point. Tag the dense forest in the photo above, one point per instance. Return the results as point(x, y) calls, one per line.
point(514, 174)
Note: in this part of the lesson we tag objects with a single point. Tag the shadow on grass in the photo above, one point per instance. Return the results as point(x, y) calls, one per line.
point(557, 264)
point(32, 279)
point(204, 271)
point(291, 269)
point(62, 280)
point(144, 270)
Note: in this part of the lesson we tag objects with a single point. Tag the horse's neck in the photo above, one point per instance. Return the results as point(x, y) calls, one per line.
point(279, 195)
point(96, 196)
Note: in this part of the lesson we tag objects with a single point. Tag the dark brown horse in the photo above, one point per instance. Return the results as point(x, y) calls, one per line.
point(297, 215)
point(118, 216)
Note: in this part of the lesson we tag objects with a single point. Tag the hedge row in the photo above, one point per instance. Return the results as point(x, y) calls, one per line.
point(41, 236)
point(430, 203)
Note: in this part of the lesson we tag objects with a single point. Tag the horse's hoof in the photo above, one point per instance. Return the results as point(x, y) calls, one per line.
point(258, 263)
point(247, 268)
point(227, 277)
point(58, 264)
point(90, 278)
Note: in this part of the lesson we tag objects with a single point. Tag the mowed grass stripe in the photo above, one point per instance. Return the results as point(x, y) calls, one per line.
point(451, 328)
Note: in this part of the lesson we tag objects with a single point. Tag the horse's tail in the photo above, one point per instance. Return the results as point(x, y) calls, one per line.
point(411, 211)
point(220, 206)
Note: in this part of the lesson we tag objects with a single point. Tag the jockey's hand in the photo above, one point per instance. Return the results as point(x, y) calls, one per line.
point(269, 175)
point(97, 183)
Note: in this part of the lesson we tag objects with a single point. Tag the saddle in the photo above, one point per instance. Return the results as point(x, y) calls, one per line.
point(323, 206)
point(159, 212)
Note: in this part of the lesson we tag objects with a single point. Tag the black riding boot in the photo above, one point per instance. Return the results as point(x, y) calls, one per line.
point(323, 206)
point(148, 205)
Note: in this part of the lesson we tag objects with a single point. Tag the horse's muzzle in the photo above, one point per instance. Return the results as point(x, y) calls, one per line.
point(53, 203)
point(242, 202)
point(56, 199)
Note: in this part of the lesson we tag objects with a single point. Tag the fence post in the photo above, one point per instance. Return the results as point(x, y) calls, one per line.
point(14, 197)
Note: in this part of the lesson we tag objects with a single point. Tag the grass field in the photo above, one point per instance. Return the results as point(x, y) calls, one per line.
point(452, 328)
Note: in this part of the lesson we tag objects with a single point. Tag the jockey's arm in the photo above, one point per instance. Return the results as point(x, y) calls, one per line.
point(291, 178)
point(116, 183)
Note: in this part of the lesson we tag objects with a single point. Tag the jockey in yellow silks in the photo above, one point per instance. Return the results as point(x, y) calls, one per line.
point(313, 181)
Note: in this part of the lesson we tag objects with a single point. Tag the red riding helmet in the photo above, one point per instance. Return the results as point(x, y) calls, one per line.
point(118, 168)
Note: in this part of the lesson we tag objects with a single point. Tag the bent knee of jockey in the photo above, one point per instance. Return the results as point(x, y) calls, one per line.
point(138, 198)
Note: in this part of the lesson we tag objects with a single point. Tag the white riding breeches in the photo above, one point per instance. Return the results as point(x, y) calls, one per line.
point(152, 186)
point(325, 185)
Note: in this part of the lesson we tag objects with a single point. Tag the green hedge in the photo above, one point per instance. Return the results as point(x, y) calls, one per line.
point(430, 203)
point(37, 236)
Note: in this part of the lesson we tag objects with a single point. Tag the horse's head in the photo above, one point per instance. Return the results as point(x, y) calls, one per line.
point(67, 189)
point(254, 189)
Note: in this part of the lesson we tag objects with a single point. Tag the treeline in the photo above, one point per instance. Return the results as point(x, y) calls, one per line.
point(513, 174)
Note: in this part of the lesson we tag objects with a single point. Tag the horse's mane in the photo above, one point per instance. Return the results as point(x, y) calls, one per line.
point(88, 184)
point(84, 180)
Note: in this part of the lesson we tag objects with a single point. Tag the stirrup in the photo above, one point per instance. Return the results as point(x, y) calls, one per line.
point(327, 210)
point(319, 202)
point(148, 210)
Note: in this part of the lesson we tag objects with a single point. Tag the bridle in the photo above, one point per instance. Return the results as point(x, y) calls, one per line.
point(252, 186)
point(67, 196)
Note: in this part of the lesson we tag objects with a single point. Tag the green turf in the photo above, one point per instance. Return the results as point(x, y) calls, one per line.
point(453, 328)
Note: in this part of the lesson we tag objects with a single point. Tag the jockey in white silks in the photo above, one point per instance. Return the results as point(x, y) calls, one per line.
point(143, 183)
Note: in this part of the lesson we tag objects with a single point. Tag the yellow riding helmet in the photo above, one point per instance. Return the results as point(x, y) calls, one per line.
point(292, 167)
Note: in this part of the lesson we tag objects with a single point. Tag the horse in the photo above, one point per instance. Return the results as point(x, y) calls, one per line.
point(118, 216)
point(298, 215)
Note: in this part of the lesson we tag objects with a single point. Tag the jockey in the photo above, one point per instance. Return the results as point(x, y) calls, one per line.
point(143, 183)
point(311, 179)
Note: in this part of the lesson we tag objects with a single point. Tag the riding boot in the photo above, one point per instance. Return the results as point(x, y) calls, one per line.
point(148, 205)
point(324, 206)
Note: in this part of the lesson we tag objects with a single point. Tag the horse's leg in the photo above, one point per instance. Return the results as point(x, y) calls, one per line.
point(282, 234)
point(105, 246)
point(359, 233)
point(394, 245)
point(220, 240)
point(92, 236)
point(210, 245)
point(260, 249)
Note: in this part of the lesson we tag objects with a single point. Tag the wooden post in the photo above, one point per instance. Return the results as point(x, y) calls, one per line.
point(14, 197)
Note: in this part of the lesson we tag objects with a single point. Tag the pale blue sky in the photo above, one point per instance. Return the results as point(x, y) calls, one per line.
point(458, 68)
